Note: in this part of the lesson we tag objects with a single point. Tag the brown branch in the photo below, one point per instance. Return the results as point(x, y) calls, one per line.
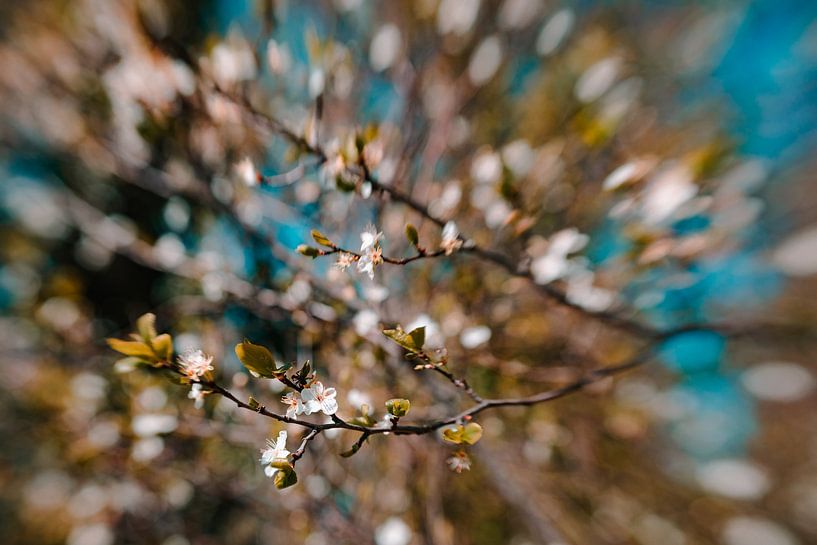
point(424, 428)
point(302, 448)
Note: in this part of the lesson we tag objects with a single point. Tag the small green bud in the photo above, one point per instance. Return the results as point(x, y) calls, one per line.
point(308, 251)
point(411, 235)
point(398, 406)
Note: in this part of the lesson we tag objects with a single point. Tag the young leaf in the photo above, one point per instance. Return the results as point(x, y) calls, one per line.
point(402, 338)
point(132, 348)
point(322, 239)
point(411, 235)
point(146, 325)
point(253, 403)
point(285, 477)
point(453, 434)
point(256, 358)
point(471, 433)
point(418, 335)
point(163, 346)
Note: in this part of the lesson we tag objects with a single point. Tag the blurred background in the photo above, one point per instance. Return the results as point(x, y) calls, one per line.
point(679, 136)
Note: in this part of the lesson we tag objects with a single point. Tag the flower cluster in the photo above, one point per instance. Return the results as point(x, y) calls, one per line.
point(194, 364)
point(313, 399)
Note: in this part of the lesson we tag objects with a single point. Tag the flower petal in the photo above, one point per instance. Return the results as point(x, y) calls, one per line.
point(307, 395)
point(269, 471)
point(329, 406)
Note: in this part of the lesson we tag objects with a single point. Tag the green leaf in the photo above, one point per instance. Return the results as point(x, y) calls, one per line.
point(163, 346)
point(146, 325)
point(471, 433)
point(285, 477)
point(253, 403)
point(256, 358)
point(418, 335)
point(308, 251)
point(411, 235)
point(132, 348)
point(322, 239)
point(402, 338)
point(398, 406)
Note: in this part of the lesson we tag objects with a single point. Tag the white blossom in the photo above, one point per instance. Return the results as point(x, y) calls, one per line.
point(276, 450)
point(370, 238)
point(372, 257)
point(451, 238)
point(317, 399)
point(344, 261)
point(295, 405)
point(459, 462)
point(195, 363)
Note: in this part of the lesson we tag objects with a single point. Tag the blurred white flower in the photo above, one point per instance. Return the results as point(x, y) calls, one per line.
point(370, 237)
point(797, 255)
point(597, 79)
point(245, 170)
point(666, 192)
point(485, 61)
point(734, 478)
point(385, 47)
point(778, 381)
point(394, 531)
point(196, 393)
point(434, 335)
point(365, 322)
point(278, 57)
point(554, 264)
point(582, 292)
point(518, 13)
point(457, 16)
point(486, 167)
point(554, 31)
point(472, 337)
point(745, 530)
